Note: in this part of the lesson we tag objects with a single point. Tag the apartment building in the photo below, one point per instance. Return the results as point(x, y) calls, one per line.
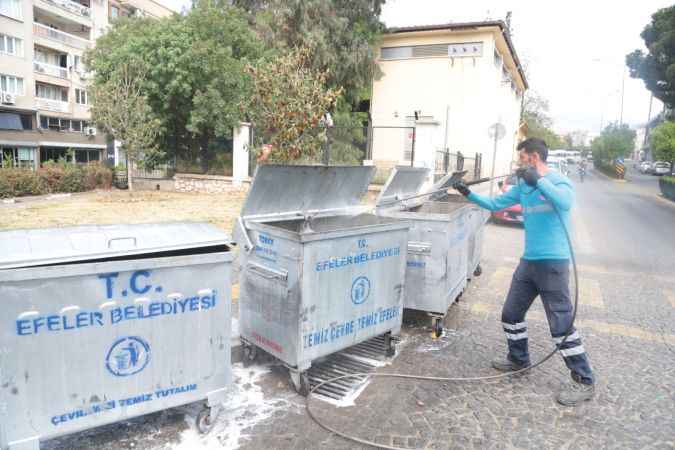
point(442, 87)
point(44, 104)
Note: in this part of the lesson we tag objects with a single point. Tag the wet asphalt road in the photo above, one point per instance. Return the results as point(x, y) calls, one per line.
point(630, 227)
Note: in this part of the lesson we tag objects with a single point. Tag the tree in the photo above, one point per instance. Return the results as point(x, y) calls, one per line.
point(657, 67)
point(662, 140)
point(287, 106)
point(341, 35)
point(535, 114)
point(615, 141)
point(196, 75)
point(120, 108)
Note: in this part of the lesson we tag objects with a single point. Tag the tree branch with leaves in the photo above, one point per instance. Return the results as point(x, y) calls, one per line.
point(288, 104)
point(120, 108)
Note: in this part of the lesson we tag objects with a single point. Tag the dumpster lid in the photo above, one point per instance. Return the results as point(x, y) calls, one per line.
point(37, 247)
point(445, 183)
point(279, 190)
point(403, 182)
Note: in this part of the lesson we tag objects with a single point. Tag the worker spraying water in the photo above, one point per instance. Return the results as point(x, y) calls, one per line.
point(547, 198)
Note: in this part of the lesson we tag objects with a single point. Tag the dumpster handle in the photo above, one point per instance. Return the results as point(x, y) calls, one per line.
point(249, 244)
point(110, 241)
point(419, 247)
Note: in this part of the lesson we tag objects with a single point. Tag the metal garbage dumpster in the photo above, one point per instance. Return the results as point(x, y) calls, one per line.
point(318, 273)
point(104, 323)
point(439, 247)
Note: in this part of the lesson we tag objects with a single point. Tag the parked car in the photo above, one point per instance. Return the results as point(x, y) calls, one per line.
point(645, 167)
point(512, 214)
point(661, 168)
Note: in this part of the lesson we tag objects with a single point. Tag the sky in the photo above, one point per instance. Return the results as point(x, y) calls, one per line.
point(574, 50)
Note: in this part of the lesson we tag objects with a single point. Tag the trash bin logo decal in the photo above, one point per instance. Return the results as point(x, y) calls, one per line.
point(360, 290)
point(127, 356)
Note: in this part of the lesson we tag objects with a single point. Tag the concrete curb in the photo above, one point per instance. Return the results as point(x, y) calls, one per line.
point(665, 200)
point(608, 177)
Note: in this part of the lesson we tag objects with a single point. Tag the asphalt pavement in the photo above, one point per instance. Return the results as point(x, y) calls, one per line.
point(624, 236)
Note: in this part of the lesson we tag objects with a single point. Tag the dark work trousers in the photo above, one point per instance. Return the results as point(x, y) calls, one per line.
point(549, 280)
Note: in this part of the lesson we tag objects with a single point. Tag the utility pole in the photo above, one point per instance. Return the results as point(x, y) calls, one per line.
point(649, 117)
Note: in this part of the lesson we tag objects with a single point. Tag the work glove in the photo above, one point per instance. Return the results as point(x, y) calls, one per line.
point(529, 175)
point(462, 188)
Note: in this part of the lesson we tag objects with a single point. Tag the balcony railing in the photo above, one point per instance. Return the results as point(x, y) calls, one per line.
point(51, 105)
point(60, 36)
point(50, 69)
point(72, 7)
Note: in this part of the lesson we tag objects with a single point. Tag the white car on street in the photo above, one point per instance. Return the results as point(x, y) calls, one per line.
point(661, 168)
point(645, 167)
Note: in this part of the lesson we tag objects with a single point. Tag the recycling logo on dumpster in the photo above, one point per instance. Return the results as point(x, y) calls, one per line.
point(127, 356)
point(360, 290)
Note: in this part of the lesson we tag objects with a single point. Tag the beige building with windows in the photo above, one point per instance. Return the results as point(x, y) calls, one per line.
point(443, 86)
point(44, 107)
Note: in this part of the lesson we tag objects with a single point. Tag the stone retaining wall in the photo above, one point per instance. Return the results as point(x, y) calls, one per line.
point(210, 184)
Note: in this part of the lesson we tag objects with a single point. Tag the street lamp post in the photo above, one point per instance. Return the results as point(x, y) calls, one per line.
point(623, 84)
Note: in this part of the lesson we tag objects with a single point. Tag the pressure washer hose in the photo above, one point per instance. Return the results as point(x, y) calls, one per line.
point(358, 440)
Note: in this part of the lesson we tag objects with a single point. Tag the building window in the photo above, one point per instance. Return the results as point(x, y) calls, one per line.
point(453, 50)
point(11, 8)
point(82, 156)
point(497, 59)
point(11, 84)
point(81, 97)
point(11, 45)
point(114, 12)
point(22, 157)
point(62, 124)
point(87, 156)
point(506, 76)
point(51, 92)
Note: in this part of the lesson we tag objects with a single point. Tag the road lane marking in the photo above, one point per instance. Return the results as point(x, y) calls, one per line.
point(671, 297)
point(590, 293)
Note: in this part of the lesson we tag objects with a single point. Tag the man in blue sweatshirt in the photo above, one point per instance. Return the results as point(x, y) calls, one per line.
point(543, 269)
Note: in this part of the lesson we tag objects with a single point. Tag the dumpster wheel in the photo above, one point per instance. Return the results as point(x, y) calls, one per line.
point(478, 272)
point(250, 354)
point(300, 382)
point(205, 420)
point(436, 327)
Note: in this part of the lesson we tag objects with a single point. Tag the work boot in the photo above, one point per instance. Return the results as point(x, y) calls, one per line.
point(506, 365)
point(575, 392)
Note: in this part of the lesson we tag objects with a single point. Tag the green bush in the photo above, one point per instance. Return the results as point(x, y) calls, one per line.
point(17, 182)
point(97, 176)
point(54, 177)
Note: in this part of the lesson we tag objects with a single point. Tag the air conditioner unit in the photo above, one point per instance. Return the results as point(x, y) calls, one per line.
point(90, 131)
point(8, 99)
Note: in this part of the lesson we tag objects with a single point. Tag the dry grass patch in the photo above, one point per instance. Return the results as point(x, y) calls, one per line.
point(115, 207)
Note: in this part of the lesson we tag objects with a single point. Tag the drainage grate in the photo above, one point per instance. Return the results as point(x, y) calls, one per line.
point(361, 358)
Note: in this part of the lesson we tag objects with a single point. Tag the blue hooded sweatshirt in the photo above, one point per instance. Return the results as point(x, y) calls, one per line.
point(544, 235)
